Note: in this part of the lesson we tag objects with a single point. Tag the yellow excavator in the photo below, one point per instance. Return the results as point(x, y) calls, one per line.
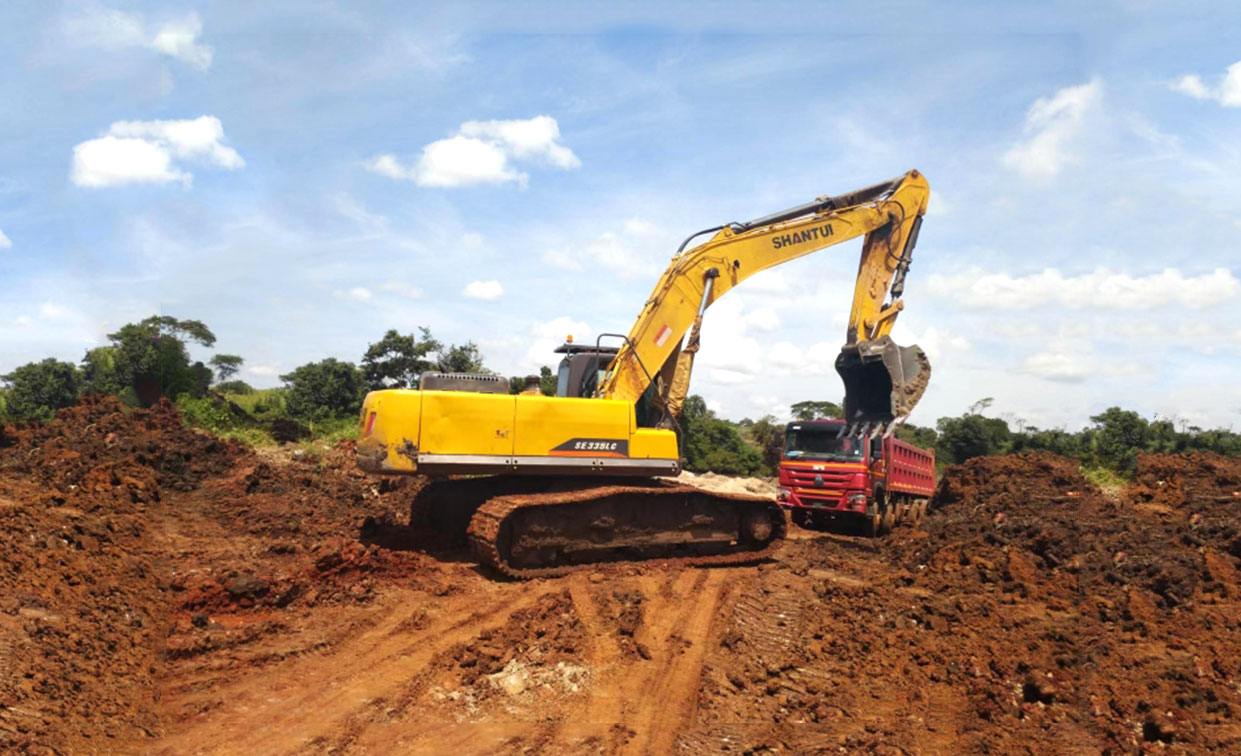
point(546, 484)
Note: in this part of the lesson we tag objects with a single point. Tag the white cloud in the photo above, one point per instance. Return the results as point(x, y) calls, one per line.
point(97, 26)
point(1055, 365)
point(179, 39)
point(727, 377)
point(770, 281)
point(1101, 289)
point(200, 137)
point(485, 290)
point(5, 241)
point(547, 335)
point(763, 319)
point(403, 289)
point(1228, 93)
point(144, 152)
point(1191, 84)
point(608, 251)
point(934, 341)
point(109, 161)
point(357, 294)
point(1052, 125)
point(263, 371)
point(483, 152)
point(532, 138)
point(53, 311)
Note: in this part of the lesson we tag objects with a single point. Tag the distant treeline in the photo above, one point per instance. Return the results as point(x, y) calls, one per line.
point(149, 360)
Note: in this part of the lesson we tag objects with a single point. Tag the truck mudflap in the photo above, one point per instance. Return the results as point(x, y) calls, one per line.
point(883, 383)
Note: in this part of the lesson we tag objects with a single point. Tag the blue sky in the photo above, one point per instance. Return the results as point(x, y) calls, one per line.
point(303, 176)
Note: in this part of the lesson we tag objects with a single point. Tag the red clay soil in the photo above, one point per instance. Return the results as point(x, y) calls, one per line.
point(163, 591)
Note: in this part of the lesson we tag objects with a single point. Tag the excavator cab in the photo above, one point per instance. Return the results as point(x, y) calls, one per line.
point(883, 382)
point(582, 368)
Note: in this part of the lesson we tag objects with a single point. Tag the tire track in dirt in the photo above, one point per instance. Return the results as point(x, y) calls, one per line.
point(637, 706)
point(330, 698)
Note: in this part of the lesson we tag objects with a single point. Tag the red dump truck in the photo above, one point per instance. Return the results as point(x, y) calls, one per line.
point(877, 482)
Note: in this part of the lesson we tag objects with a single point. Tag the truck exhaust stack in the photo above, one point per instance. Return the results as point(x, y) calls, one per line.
point(883, 383)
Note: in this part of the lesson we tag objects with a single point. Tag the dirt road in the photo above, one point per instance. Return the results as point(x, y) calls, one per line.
point(164, 592)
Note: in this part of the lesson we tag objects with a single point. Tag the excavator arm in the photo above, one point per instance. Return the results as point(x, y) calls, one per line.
point(882, 381)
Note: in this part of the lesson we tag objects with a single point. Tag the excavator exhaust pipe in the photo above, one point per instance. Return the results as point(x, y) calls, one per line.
point(883, 383)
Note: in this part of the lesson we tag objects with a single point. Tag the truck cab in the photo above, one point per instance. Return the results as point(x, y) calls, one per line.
point(826, 475)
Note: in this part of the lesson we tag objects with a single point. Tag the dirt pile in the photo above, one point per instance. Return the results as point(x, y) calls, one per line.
point(1110, 592)
point(1178, 480)
point(81, 606)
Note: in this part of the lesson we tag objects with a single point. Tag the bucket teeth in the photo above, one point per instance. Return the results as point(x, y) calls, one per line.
point(883, 383)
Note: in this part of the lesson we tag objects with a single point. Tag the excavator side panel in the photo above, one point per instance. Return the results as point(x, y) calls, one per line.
point(463, 422)
point(565, 426)
point(461, 432)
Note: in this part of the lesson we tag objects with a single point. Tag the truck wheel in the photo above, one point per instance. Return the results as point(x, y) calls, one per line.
point(872, 525)
point(889, 520)
point(917, 512)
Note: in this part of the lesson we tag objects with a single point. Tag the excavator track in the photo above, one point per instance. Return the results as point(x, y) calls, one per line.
point(537, 535)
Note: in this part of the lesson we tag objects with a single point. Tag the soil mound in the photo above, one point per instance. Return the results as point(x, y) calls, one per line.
point(81, 613)
point(102, 439)
point(1134, 593)
point(1177, 480)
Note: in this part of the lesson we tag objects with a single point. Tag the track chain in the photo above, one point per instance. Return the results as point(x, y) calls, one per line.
point(485, 526)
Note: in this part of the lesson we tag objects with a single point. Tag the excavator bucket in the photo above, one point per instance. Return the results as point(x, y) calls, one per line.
point(883, 383)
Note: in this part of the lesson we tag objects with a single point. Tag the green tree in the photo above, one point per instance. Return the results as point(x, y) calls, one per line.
point(768, 436)
point(712, 444)
point(971, 435)
point(225, 366)
point(36, 390)
point(323, 390)
point(1055, 440)
point(1117, 437)
point(547, 382)
point(152, 359)
point(920, 436)
point(99, 374)
point(461, 358)
point(396, 360)
point(811, 410)
point(234, 387)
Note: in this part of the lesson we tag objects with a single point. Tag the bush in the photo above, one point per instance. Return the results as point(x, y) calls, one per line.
point(234, 387)
point(714, 445)
point(971, 435)
point(324, 390)
point(38, 389)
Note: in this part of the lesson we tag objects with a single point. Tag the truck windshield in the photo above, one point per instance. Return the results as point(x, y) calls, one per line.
point(821, 443)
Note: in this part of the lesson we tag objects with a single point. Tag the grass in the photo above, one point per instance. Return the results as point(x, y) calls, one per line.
point(259, 408)
point(1108, 481)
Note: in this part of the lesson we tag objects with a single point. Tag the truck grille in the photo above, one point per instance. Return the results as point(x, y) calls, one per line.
point(818, 479)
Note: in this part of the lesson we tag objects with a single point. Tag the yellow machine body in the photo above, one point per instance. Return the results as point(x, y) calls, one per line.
point(443, 432)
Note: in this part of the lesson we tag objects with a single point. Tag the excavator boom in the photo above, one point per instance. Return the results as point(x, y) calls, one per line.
point(882, 381)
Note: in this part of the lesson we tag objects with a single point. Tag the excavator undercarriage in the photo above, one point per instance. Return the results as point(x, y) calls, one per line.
point(536, 526)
